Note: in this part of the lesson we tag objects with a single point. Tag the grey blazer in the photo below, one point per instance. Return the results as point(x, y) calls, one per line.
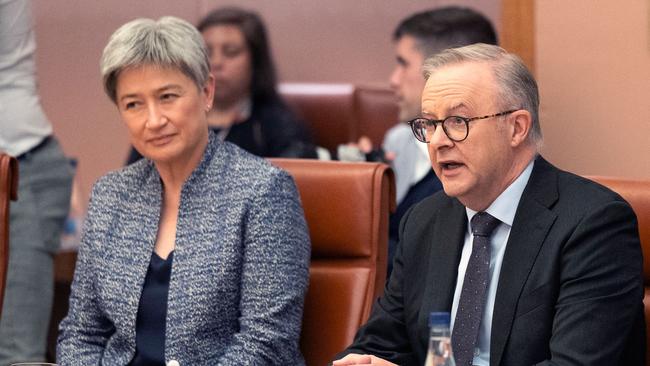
point(240, 271)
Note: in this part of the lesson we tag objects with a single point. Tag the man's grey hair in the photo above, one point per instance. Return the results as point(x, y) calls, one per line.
point(166, 42)
point(516, 85)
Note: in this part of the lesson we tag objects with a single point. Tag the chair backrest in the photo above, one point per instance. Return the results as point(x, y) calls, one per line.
point(341, 113)
point(8, 192)
point(637, 194)
point(347, 207)
point(327, 109)
point(377, 112)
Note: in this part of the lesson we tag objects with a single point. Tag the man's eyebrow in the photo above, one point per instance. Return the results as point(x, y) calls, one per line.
point(459, 106)
point(450, 112)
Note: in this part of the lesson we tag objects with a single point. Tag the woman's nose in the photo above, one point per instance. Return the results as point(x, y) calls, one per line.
point(216, 62)
point(155, 117)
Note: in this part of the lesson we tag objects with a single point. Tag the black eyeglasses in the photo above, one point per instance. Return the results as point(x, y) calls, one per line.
point(455, 127)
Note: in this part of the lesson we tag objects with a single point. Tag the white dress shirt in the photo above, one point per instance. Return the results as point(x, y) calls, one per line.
point(411, 162)
point(23, 124)
point(504, 209)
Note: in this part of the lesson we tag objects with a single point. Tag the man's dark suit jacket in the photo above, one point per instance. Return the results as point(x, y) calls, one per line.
point(570, 290)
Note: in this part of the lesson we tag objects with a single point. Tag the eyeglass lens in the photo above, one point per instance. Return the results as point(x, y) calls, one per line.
point(455, 128)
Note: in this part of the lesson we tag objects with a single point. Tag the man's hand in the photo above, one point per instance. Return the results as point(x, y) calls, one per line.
point(355, 359)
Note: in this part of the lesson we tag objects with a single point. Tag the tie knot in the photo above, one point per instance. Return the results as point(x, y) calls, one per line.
point(483, 224)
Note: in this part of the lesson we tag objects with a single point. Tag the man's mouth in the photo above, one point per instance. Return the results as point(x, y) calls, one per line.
point(450, 165)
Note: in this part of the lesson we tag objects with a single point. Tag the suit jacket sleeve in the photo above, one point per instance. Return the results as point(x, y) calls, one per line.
point(601, 289)
point(275, 274)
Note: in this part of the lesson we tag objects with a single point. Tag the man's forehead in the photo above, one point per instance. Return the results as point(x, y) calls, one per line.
point(462, 75)
point(468, 69)
point(456, 86)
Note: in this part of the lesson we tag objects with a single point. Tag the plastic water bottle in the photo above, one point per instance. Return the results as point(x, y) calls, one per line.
point(439, 353)
point(71, 233)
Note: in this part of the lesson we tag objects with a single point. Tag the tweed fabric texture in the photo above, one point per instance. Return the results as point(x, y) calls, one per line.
point(472, 295)
point(240, 272)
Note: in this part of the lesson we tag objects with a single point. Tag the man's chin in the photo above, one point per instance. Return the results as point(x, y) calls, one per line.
point(452, 189)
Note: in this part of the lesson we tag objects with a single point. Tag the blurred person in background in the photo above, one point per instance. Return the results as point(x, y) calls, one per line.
point(417, 37)
point(247, 109)
point(198, 254)
point(45, 180)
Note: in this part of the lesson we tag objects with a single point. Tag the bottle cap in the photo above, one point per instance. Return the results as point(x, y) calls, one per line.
point(439, 318)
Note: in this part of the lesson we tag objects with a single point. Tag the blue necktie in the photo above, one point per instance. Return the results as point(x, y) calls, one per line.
point(472, 296)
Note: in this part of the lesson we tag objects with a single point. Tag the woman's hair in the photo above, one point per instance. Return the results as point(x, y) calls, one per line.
point(264, 79)
point(516, 85)
point(167, 42)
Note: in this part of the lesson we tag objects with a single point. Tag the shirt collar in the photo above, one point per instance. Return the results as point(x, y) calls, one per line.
point(505, 206)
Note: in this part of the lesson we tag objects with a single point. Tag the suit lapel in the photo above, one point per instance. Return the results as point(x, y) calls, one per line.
point(443, 256)
point(529, 230)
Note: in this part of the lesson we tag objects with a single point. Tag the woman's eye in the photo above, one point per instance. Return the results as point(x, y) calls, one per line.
point(232, 51)
point(130, 105)
point(168, 96)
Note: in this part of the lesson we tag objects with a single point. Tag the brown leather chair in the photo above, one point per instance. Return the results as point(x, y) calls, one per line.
point(341, 113)
point(637, 194)
point(377, 112)
point(327, 109)
point(8, 192)
point(346, 207)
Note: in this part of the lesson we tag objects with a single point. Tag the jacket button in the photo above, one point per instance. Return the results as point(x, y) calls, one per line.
point(173, 363)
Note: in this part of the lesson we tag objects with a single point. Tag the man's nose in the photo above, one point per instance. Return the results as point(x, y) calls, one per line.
point(438, 138)
point(395, 78)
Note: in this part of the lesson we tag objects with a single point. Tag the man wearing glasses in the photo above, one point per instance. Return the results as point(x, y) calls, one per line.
point(536, 266)
point(417, 37)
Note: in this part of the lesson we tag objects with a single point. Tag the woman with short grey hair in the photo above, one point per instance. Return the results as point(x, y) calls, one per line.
point(198, 254)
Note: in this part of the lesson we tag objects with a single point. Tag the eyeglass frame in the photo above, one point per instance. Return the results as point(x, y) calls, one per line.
point(436, 122)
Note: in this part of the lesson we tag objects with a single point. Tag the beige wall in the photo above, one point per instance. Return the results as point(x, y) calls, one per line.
point(593, 70)
point(313, 40)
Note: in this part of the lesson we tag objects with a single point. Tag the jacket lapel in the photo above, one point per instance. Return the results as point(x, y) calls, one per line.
point(143, 207)
point(443, 257)
point(529, 230)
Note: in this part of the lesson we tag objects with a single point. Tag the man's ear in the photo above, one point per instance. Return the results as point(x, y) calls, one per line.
point(521, 124)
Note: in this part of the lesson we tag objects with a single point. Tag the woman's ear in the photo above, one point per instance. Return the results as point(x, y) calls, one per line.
point(208, 90)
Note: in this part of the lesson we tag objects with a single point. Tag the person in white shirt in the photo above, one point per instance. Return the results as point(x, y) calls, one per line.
point(45, 180)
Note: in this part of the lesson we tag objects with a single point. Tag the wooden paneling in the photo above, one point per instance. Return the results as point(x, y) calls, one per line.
point(518, 29)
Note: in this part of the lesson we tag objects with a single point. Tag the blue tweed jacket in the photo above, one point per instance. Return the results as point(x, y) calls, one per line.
point(240, 271)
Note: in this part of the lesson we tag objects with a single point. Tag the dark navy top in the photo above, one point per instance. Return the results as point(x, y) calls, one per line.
point(152, 313)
